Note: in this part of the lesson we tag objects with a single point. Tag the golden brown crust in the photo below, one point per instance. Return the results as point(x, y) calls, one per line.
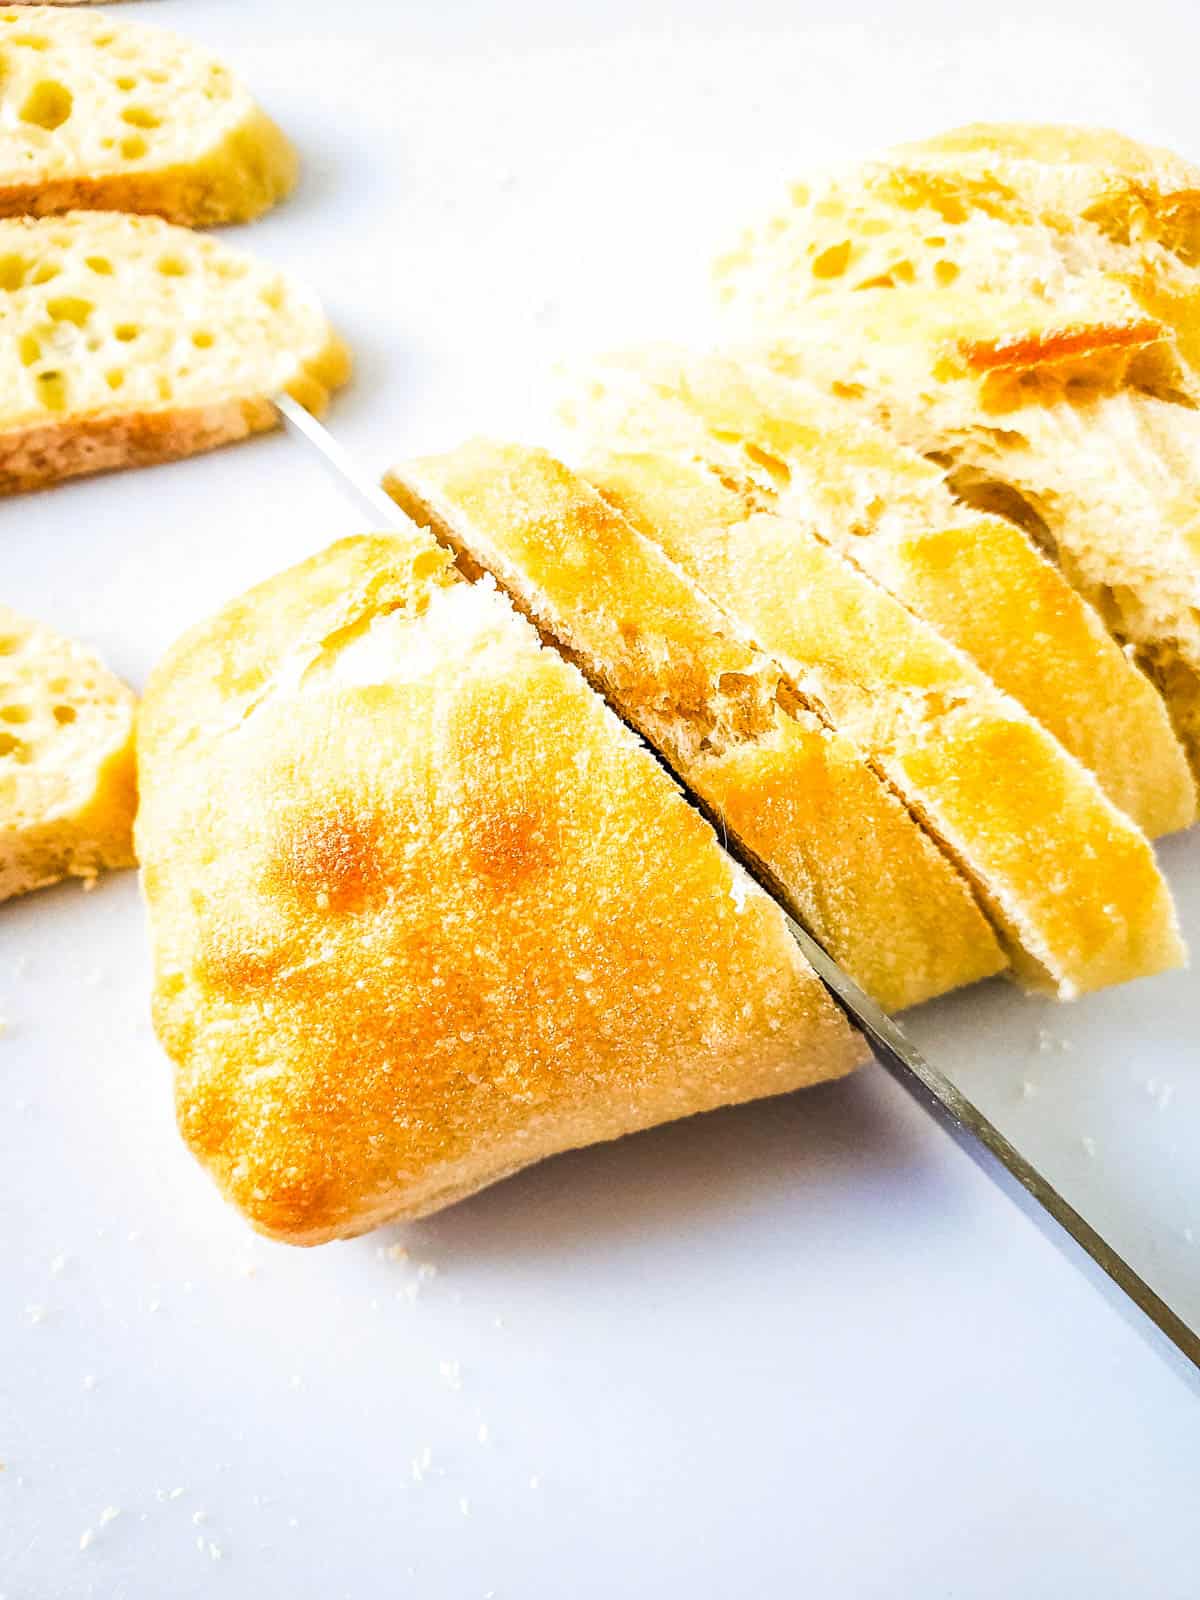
point(801, 798)
point(423, 913)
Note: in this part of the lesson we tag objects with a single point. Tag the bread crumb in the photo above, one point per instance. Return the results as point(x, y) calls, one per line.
point(58, 1265)
point(89, 1380)
point(396, 1252)
point(199, 1516)
point(464, 1505)
point(36, 1315)
point(109, 1514)
point(86, 1537)
point(1028, 1089)
point(535, 1482)
point(88, 883)
point(175, 1494)
point(421, 1465)
point(214, 1551)
point(450, 1373)
point(1089, 1146)
point(483, 1433)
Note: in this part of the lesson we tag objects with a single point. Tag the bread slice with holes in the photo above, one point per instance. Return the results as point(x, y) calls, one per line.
point(1069, 881)
point(1076, 420)
point(802, 799)
point(973, 576)
point(125, 340)
point(424, 912)
point(67, 782)
point(107, 114)
point(1008, 208)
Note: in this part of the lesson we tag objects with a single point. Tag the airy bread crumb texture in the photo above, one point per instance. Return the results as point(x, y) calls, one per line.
point(110, 114)
point(125, 340)
point(67, 782)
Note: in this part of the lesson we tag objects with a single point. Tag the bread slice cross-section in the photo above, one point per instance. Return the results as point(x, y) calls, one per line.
point(67, 784)
point(423, 911)
point(1069, 881)
point(799, 796)
point(974, 577)
point(125, 341)
point(1076, 422)
point(115, 115)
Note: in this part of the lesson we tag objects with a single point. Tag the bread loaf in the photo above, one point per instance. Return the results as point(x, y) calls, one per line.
point(424, 912)
point(1070, 883)
point(67, 785)
point(857, 869)
point(975, 577)
point(124, 340)
point(116, 115)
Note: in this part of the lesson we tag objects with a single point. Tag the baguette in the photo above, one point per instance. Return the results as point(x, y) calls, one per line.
point(424, 912)
point(1070, 423)
point(125, 341)
point(1069, 882)
point(852, 863)
point(120, 116)
point(67, 786)
point(975, 577)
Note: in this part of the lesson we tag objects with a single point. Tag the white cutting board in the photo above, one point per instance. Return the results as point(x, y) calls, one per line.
point(802, 1347)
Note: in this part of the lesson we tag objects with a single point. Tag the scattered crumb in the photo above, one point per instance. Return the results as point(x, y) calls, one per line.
point(499, 1322)
point(1189, 1236)
point(36, 1315)
point(293, 1522)
point(421, 1465)
point(1028, 1089)
point(175, 1494)
point(396, 1252)
point(464, 1505)
point(249, 1269)
point(199, 1516)
point(88, 884)
point(1089, 1146)
point(89, 1380)
point(86, 1537)
point(200, 1543)
point(426, 1270)
point(450, 1373)
point(109, 1514)
point(134, 1235)
point(484, 1433)
point(59, 1265)
point(154, 1305)
point(214, 1551)
point(535, 1481)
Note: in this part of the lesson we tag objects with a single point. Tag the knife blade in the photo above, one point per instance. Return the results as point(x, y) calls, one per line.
point(936, 1093)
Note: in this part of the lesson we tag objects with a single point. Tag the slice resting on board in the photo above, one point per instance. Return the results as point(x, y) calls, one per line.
point(67, 780)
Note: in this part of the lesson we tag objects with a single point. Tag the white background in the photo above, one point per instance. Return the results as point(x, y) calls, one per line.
point(803, 1347)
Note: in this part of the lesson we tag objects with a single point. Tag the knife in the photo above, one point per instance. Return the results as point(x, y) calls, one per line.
point(975, 1133)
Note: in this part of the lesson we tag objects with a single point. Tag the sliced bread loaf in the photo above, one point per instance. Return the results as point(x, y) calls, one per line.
point(799, 796)
point(975, 577)
point(124, 341)
point(67, 788)
point(423, 912)
point(1070, 882)
point(116, 115)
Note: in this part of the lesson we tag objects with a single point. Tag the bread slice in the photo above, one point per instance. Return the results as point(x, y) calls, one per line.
point(124, 341)
point(423, 912)
point(1069, 881)
point(975, 577)
point(1026, 209)
point(119, 116)
point(801, 798)
point(67, 788)
point(1071, 423)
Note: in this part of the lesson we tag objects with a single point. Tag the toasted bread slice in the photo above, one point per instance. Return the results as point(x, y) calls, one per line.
point(67, 785)
point(124, 341)
point(119, 116)
point(1071, 424)
point(801, 798)
point(423, 912)
point(975, 577)
point(1069, 881)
